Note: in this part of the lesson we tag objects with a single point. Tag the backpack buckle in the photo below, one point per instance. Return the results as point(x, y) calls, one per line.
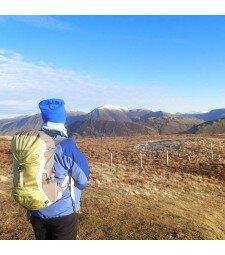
point(20, 167)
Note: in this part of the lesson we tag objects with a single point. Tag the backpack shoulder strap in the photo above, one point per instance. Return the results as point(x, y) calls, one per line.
point(68, 181)
point(58, 141)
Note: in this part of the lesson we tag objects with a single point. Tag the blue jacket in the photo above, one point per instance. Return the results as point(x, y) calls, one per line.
point(67, 158)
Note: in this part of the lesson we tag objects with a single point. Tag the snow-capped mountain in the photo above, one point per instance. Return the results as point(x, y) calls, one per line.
point(110, 113)
point(112, 107)
point(122, 114)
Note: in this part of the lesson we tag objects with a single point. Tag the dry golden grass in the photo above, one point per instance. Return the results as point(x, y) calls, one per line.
point(184, 200)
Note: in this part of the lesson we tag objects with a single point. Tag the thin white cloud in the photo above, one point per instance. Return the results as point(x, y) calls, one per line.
point(23, 84)
point(46, 22)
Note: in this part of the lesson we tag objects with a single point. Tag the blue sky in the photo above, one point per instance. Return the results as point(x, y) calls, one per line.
point(169, 63)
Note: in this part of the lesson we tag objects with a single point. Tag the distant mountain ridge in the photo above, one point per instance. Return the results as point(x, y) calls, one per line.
point(208, 116)
point(34, 122)
point(113, 120)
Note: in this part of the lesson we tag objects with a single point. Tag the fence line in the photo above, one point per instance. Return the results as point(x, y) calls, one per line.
point(141, 160)
point(212, 152)
point(157, 156)
point(111, 158)
point(167, 158)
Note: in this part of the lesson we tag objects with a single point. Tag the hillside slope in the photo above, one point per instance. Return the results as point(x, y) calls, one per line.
point(108, 128)
point(11, 126)
point(209, 127)
point(170, 124)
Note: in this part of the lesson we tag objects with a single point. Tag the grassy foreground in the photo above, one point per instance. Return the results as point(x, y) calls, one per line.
point(126, 202)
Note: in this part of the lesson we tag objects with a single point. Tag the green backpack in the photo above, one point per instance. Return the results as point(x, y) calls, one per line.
point(34, 185)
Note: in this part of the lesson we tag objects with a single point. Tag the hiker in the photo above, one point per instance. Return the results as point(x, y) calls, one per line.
point(57, 220)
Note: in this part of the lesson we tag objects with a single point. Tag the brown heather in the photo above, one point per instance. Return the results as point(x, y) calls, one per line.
point(182, 200)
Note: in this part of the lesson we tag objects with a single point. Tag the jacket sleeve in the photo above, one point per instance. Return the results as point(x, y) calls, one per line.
point(76, 163)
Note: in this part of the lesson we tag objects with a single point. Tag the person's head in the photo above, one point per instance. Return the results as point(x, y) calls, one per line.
point(53, 110)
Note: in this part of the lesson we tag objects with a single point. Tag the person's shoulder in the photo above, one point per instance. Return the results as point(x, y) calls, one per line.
point(68, 142)
point(68, 145)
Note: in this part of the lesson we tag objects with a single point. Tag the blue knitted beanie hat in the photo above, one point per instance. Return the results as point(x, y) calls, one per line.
point(53, 110)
